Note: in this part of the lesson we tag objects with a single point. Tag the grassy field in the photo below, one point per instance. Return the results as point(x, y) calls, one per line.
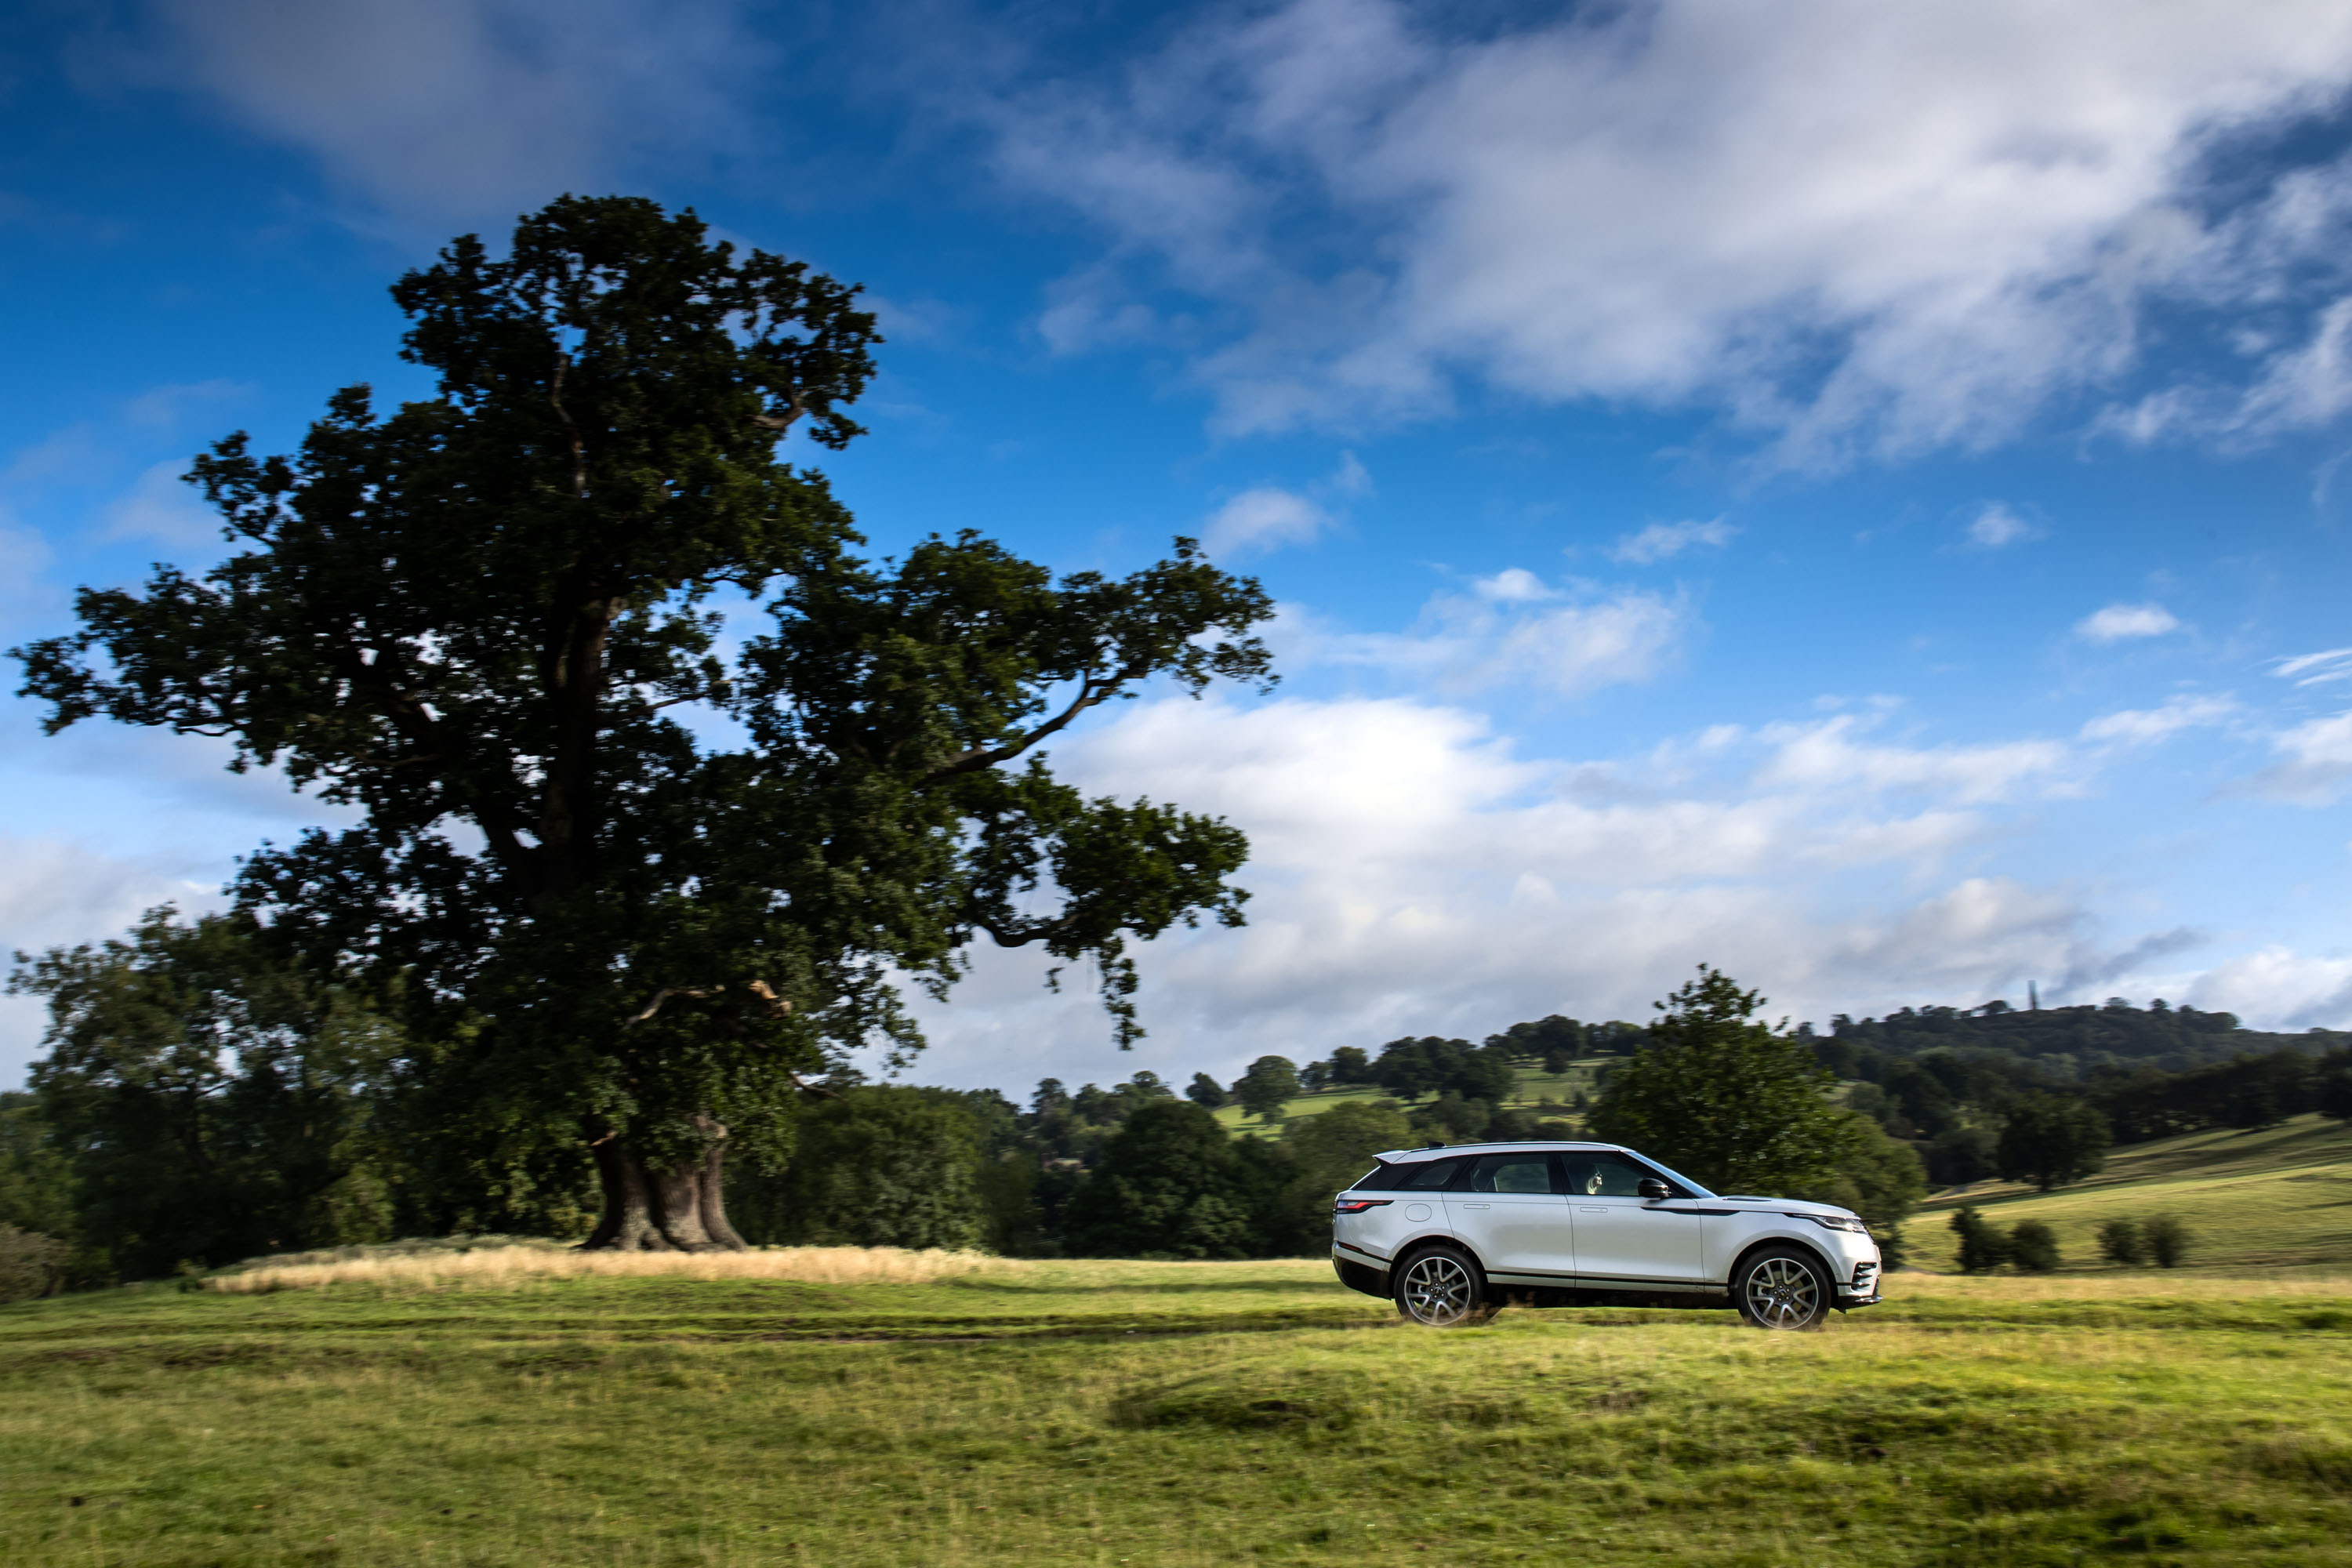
point(2280, 1198)
point(1151, 1413)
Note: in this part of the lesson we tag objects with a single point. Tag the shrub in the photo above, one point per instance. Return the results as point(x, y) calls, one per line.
point(1984, 1246)
point(2120, 1241)
point(31, 1264)
point(2166, 1239)
point(2033, 1247)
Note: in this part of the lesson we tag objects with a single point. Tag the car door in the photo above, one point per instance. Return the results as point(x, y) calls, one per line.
point(1511, 1212)
point(1624, 1238)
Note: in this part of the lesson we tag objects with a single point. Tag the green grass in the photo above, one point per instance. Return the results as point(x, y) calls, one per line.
point(2280, 1198)
point(1171, 1414)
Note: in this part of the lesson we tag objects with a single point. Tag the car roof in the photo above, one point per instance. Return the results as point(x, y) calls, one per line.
point(1440, 1151)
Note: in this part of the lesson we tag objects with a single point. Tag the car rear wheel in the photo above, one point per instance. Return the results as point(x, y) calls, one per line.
point(1782, 1287)
point(1443, 1288)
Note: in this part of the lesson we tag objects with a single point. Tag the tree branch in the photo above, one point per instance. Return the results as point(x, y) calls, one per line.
point(1091, 692)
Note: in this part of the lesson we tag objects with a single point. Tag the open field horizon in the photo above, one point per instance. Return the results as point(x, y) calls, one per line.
point(1178, 1413)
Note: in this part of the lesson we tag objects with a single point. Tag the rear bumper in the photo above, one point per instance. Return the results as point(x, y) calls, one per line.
point(1360, 1273)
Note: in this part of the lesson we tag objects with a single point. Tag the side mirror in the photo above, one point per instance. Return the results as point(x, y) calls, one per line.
point(1652, 1187)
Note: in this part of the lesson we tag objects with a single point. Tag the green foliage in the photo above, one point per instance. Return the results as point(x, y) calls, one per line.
point(1206, 1092)
point(470, 621)
point(37, 1177)
point(201, 1098)
point(2334, 1097)
point(878, 1166)
point(31, 1265)
point(1728, 1102)
point(2168, 1240)
point(1170, 1184)
point(1270, 1083)
point(1554, 1041)
point(2033, 1247)
point(1334, 1147)
point(1880, 1179)
point(1412, 1067)
point(2052, 1141)
point(2121, 1241)
point(1984, 1246)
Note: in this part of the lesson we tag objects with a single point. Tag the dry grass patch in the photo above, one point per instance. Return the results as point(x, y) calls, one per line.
point(516, 1263)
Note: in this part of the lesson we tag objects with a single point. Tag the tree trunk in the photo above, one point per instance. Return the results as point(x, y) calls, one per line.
point(650, 1208)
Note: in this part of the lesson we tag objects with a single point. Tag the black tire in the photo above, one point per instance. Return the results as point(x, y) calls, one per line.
point(1783, 1288)
point(1442, 1287)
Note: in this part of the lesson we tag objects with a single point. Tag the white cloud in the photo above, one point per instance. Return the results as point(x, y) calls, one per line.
point(1270, 516)
point(1997, 525)
point(1413, 873)
point(1515, 630)
point(2121, 623)
point(2316, 765)
point(2283, 989)
point(27, 597)
point(1266, 518)
point(468, 108)
point(54, 893)
point(162, 508)
point(2315, 669)
point(1662, 540)
point(1828, 754)
point(1864, 228)
point(2147, 726)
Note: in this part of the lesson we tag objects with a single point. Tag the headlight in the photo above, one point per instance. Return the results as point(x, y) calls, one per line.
point(1835, 1222)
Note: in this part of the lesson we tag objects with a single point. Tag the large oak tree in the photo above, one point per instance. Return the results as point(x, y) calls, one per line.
point(634, 869)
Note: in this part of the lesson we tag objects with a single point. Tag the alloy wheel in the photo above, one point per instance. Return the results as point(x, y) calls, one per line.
point(1438, 1291)
point(1782, 1293)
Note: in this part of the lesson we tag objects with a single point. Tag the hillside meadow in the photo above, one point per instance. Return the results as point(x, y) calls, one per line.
point(786, 1408)
point(2277, 1198)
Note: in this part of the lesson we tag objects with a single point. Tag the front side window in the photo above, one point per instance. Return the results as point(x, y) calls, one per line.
point(1598, 1173)
point(1512, 1174)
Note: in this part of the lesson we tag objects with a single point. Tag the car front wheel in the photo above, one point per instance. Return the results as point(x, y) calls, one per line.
point(1781, 1287)
point(1443, 1288)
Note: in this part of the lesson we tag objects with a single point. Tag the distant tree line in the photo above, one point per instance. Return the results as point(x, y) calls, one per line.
point(201, 1100)
point(2040, 1096)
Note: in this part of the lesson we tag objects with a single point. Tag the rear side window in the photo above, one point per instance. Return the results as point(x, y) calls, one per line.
point(1512, 1174)
point(1419, 1175)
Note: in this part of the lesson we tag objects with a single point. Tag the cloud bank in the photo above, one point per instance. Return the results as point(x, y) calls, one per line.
point(1863, 230)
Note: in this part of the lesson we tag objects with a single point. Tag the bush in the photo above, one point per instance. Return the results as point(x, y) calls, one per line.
point(31, 1264)
point(1984, 1246)
point(2120, 1241)
point(2168, 1240)
point(2033, 1247)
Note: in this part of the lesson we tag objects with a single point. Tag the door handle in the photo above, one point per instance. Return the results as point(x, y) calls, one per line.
point(1478, 1205)
point(1591, 1208)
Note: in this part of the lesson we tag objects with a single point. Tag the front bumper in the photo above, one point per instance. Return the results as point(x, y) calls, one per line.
point(1860, 1287)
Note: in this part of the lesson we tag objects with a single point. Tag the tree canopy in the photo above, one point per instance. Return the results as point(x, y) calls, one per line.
point(1726, 1099)
point(660, 783)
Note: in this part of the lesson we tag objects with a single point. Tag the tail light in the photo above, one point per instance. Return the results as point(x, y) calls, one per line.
point(1358, 1206)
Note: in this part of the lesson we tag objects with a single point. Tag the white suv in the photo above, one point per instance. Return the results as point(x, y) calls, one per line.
point(1453, 1234)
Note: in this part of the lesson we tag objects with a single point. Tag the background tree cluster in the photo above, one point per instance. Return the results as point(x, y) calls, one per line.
point(204, 1097)
point(1997, 1092)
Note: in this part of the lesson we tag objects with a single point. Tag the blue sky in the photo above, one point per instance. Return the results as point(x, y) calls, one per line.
point(1856, 495)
